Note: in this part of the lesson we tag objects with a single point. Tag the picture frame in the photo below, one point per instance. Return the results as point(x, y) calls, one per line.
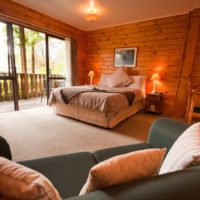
point(125, 57)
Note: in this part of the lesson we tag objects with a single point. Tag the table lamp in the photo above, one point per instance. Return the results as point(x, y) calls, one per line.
point(91, 75)
point(155, 77)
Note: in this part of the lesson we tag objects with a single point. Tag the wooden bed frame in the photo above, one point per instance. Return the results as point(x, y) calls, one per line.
point(94, 116)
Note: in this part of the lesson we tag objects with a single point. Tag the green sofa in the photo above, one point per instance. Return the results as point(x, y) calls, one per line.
point(69, 172)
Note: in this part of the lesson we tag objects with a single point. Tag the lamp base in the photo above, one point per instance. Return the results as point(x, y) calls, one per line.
point(91, 80)
point(154, 87)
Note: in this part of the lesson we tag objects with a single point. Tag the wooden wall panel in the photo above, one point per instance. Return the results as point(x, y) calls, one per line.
point(195, 75)
point(189, 58)
point(160, 45)
point(17, 13)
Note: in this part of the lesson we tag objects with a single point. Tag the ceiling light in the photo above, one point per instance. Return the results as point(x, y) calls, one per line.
point(91, 16)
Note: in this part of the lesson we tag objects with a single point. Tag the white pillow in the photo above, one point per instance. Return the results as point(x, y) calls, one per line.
point(138, 81)
point(119, 78)
point(185, 152)
point(103, 79)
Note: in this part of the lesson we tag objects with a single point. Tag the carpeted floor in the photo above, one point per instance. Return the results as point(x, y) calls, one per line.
point(38, 132)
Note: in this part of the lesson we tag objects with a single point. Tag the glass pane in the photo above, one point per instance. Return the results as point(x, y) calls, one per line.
point(6, 86)
point(4, 66)
point(31, 66)
point(57, 62)
point(57, 57)
point(6, 96)
point(16, 37)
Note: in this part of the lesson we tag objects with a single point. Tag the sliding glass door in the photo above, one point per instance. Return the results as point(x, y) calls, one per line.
point(57, 62)
point(31, 64)
point(8, 99)
point(30, 57)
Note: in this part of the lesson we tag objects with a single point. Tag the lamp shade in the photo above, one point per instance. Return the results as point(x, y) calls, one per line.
point(91, 73)
point(155, 77)
point(91, 17)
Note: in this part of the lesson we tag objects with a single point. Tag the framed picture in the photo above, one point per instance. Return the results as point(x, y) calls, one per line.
point(125, 57)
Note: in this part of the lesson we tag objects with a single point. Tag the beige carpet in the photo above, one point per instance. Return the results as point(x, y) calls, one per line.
point(38, 132)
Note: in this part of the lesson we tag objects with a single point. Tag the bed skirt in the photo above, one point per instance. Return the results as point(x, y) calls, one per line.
point(94, 116)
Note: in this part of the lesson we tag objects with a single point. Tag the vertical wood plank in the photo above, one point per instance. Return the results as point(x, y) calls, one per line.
point(18, 86)
point(36, 85)
point(1, 95)
point(22, 84)
point(32, 85)
point(40, 84)
point(187, 63)
point(11, 89)
point(5, 87)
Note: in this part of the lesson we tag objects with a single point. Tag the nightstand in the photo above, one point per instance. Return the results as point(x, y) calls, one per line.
point(154, 103)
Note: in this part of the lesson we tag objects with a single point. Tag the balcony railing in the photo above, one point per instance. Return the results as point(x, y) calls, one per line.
point(29, 86)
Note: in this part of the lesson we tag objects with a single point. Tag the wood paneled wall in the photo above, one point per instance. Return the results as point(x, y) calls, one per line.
point(17, 13)
point(195, 75)
point(160, 45)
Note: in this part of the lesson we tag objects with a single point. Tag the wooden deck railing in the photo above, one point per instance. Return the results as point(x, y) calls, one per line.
point(29, 86)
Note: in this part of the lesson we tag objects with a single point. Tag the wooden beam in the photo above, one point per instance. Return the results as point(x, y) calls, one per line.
point(187, 62)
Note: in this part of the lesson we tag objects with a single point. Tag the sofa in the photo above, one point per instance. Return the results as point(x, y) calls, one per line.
point(69, 172)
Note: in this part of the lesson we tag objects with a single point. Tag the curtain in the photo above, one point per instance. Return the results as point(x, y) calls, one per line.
point(71, 62)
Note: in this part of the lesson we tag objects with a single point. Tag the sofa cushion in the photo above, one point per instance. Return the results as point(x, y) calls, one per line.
point(20, 182)
point(183, 185)
point(104, 154)
point(164, 132)
point(124, 168)
point(68, 173)
point(185, 152)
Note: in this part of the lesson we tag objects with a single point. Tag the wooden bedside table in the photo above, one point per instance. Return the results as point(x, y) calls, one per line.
point(154, 103)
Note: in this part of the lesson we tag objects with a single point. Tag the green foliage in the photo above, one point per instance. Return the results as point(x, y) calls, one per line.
point(33, 37)
point(36, 40)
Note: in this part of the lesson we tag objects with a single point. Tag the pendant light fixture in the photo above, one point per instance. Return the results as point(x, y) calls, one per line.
point(92, 16)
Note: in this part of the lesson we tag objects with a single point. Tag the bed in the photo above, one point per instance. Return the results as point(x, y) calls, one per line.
point(100, 105)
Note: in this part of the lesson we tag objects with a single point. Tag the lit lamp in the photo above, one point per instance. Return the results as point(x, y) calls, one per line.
point(91, 16)
point(91, 75)
point(155, 77)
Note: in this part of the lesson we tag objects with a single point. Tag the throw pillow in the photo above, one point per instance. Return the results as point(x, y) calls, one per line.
point(137, 82)
point(185, 152)
point(103, 81)
point(124, 168)
point(119, 78)
point(20, 182)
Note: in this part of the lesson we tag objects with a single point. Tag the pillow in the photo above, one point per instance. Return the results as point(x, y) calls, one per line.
point(103, 80)
point(185, 152)
point(124, 168)
point(119, 78)
point(137, 82)
point(20, 182)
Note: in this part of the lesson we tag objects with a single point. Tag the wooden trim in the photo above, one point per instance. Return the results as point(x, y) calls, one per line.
point(187, 62)
point(182, 57)
point(14, 80)
point(5, 18)
point(17, 13)
point(47, 65)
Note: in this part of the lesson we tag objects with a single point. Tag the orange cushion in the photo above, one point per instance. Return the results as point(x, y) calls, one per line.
point(20, 182)
point(124, 168)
